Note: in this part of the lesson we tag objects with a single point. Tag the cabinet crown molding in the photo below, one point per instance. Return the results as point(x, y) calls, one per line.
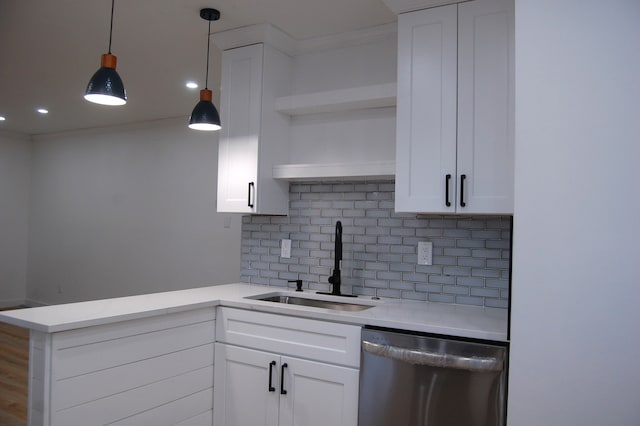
point(254, 34)
point(403, 6)
point(275, 37)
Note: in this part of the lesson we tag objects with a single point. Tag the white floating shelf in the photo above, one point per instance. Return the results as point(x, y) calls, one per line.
point(374, 96)
point(337, 171)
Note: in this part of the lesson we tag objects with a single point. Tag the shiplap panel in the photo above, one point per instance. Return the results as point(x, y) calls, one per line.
point(179, 412)
point(204, 419)
point(84, 359)
point(103, 383)
point(126, 404)
point(88, 335)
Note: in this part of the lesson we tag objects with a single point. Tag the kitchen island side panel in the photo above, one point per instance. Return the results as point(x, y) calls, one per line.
point(156, 370)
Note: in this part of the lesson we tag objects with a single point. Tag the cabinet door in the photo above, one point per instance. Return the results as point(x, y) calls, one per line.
point(426, 110)
point(318, 394)
point(242, 395)
point(486, 106)
point(240, 107)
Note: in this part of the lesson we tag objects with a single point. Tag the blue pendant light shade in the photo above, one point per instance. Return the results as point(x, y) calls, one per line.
point(105, 87)
point(205, 115)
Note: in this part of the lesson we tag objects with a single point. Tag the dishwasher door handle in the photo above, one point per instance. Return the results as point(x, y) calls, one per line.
point(434, 359)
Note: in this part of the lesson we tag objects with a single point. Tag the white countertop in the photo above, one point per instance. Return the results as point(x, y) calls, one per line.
point(440, 318)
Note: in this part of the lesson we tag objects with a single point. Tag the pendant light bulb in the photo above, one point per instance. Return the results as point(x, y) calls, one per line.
point(105, 86)
point(205, 115)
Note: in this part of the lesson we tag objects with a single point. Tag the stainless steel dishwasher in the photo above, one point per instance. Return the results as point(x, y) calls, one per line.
point(411, 380)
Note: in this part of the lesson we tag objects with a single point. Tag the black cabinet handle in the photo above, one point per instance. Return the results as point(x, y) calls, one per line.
point(249, 202)
point(446, 190)
point(271, 388)
point(282, 389)
point(462, 179)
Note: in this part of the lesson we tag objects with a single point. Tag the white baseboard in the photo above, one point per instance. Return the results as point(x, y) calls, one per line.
point(10, 303)
point(26, 303)
point(34, 303)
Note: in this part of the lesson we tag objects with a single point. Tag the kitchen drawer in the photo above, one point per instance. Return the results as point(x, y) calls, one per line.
point(311, 339)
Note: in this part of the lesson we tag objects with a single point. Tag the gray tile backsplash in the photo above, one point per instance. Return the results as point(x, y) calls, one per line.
point(470, 253)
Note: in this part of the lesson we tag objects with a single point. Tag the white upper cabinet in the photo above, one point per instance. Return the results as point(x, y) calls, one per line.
point(455, 132)
point(486, 106)
point(426, 120)
point(295, 110)
point(253, 136)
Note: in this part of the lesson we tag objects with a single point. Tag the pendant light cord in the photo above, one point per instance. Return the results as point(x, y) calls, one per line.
point(206, 77)
point(111, 25)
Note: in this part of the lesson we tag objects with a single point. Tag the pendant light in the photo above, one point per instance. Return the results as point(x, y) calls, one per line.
point(105, 87)
point(205, 115)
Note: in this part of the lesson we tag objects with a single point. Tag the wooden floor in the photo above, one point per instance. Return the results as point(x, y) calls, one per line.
point(14, 371)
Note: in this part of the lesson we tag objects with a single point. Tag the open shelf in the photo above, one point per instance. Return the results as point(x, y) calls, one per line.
point(374, 96)
point(337, 171)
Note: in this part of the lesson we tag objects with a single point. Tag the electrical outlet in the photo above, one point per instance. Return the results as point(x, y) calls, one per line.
point(425, 253)
point(285, 249)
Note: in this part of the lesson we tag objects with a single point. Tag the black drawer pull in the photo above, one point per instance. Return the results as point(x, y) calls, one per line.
point(462, 179)
point(249, 201)
point(446, 190)
point(271, 388)
point(282, 389)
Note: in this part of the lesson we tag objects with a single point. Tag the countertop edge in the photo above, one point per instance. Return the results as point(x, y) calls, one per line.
point(451, 320)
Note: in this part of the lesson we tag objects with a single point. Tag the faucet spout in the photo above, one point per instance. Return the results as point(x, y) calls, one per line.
point(335, 279)
point(338, 246)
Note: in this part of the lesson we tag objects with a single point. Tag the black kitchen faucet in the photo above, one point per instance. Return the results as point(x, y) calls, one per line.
point(334, 279)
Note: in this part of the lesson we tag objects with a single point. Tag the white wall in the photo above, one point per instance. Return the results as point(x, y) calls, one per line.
point(15, 157)
point(576, 286)
point(127, 211)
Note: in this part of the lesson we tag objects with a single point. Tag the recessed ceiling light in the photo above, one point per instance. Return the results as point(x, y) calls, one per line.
point(191, 85)
point(2, 118)
point(42, 110)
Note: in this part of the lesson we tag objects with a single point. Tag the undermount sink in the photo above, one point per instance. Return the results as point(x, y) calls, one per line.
point(315, 303)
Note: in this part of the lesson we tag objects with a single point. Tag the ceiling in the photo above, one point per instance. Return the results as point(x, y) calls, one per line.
point(50, 49)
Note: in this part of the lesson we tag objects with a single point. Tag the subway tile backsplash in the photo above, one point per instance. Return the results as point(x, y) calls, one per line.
point(470, 253)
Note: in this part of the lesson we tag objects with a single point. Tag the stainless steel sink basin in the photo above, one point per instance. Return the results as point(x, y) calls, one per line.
point(315, 303)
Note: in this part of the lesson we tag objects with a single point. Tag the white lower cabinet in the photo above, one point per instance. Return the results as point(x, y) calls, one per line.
point(317, 394)
point(261, 377)
point(173, 370)
point(241, 380)
point(265, 389)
